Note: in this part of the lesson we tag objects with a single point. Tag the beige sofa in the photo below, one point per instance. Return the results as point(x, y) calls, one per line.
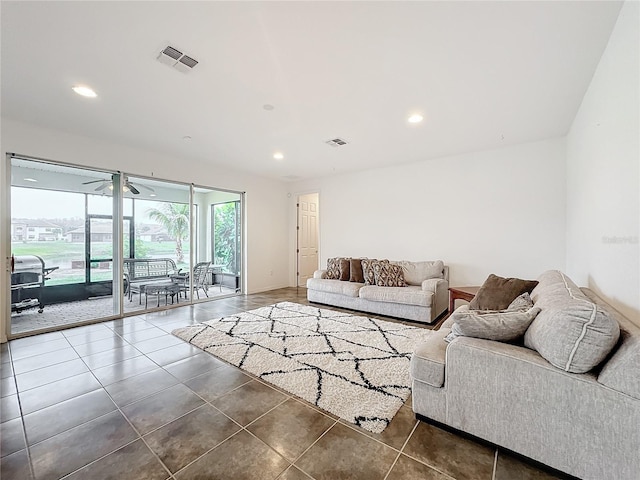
point(424, 299)
point(585, 424)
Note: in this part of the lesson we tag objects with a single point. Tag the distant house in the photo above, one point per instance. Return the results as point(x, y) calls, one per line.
point(28, 230)
point(100, 232)
point(151, 232)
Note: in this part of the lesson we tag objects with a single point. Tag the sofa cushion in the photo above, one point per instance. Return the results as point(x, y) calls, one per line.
point(367, 270)
point(345, 269)
point(570, 332)
point(333, 268)
point(355, 270)
point(388, 275)
point(416, 272)
point(496, 293)
point(428, 359)
point(410, 295)
point(350, 289)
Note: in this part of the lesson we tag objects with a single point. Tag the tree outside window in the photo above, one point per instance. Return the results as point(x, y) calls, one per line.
point(226, 236)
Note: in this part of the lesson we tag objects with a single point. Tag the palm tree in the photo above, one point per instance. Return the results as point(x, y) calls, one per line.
point(175, 218)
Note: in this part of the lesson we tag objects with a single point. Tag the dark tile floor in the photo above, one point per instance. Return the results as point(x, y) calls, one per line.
point(125, 399)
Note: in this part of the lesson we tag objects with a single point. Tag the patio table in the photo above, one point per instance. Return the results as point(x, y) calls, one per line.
point(167, 288)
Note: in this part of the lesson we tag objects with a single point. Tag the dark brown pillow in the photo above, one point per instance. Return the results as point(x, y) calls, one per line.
point(497, 293)
point(345, 269)
point(355, 274)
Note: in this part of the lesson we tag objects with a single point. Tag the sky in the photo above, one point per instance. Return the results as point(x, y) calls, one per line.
point(34, 203)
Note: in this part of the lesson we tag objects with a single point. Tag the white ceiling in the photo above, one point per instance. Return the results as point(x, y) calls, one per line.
point(483, 74)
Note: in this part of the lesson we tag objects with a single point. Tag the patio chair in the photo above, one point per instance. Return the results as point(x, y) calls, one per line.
point(200, 274)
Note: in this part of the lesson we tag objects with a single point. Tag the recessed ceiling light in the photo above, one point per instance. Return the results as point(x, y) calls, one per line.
point(415, 118)
point(186, 138)
point(30, 180)
point(278, 156)
point(268, 106)
point(85, 91)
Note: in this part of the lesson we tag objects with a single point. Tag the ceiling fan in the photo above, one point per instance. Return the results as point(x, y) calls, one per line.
point(127, 186)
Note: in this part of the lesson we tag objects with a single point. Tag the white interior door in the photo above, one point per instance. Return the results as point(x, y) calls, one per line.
point(307, 237)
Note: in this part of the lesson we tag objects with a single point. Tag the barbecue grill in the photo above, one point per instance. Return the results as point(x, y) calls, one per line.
point(28, 275)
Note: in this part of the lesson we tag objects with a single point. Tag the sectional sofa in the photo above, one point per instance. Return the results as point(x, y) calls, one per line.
point(424, 298)
point(566, 395)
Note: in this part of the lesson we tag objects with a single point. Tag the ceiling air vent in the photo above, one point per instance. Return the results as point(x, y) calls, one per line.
point(176, 59)
point(336, 142)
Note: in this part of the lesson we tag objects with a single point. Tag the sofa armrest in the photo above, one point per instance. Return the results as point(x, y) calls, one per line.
point(440, 289)
point(432, 284)
point(320, 274)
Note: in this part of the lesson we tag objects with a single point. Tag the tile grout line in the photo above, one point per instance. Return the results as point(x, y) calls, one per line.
point(417, 460)
point(309, 448)
point(400, 451)
point(24, 427)
point(140, 437)
point(495, 465)
point(208, 451)
point(117, 407)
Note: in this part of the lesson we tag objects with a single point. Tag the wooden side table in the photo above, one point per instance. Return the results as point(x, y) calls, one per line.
point(462, 293)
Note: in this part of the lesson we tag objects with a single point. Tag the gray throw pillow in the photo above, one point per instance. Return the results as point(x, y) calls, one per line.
point(496, 293)
point(500, 326)
point(503, 325)
point(572, 333)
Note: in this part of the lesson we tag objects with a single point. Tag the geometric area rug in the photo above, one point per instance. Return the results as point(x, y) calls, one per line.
point(352, 366)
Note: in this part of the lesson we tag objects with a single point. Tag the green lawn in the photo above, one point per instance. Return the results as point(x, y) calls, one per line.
point(61, 254)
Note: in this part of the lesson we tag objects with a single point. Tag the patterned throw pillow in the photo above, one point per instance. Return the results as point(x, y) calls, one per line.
point(367, 270)
point(333, 268)
point(388, 275)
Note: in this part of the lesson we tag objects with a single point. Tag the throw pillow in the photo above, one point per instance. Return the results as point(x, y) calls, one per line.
point(345, 269)
point(496, 293)
point(388, 275)
point(367, 270)
point(503, 326)
point(523, 302)
point(333, 268)
point(572, 333)
point(500, 326)
point(355, 273)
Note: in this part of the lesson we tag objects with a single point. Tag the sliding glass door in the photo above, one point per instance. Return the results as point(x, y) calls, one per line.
point(219, 239)
point(61, 246)
point(89, 245)
point(226, 245)
point(157, 265)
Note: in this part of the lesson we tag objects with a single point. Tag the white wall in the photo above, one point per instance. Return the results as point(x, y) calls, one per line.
point(603, 154)
point(499, 211)
point(266, 202)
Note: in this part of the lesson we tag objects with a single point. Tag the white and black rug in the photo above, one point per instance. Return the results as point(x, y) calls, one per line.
point(352, 366)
